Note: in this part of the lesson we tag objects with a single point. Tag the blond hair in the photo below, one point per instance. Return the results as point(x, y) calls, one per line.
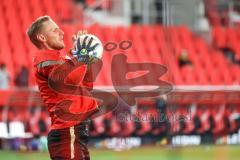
point(35, 28)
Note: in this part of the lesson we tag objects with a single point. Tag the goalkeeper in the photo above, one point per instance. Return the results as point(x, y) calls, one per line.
point(67, 139)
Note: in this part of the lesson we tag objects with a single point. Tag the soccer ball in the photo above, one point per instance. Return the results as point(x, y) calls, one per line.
point(97, 52)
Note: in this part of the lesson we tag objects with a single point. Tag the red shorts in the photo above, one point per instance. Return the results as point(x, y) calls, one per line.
point(69, 143)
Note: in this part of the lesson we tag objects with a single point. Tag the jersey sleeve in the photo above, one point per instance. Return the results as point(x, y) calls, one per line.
point(70, 72)
point(77, 74)
point(43, 69)
point(88, 78)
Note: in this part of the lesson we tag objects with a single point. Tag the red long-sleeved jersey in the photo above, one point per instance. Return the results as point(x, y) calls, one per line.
point(47, 63)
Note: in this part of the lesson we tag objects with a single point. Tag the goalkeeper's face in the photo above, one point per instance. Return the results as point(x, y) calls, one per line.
point(53, 36)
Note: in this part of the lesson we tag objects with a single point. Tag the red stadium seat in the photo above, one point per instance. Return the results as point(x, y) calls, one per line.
point(219, 37)
point(172, 117)
point(232, 114)
point(190, 113)
point(150, 43)
point(98, 126)
point(204, 114)
point(218, 114)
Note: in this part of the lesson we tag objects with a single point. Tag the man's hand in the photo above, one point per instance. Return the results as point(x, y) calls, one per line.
point(82, 48)
point(75, 36)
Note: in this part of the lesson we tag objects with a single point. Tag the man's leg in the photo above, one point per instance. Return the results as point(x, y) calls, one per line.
point(59, 144)
point(69, 143)
point(81, 139)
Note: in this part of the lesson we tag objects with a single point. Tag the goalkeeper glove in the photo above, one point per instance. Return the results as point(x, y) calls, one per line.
point(81, 50)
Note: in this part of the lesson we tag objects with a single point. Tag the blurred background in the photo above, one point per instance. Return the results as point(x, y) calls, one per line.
point(198, 42)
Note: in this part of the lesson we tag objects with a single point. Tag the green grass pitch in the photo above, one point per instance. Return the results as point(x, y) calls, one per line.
point(144, 153)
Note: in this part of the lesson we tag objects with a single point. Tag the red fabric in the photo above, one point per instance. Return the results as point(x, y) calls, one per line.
point(59, 144)
point(76, 103)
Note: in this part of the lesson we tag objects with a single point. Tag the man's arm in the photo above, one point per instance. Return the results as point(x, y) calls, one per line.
point(69, 72)
point(88, 79)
